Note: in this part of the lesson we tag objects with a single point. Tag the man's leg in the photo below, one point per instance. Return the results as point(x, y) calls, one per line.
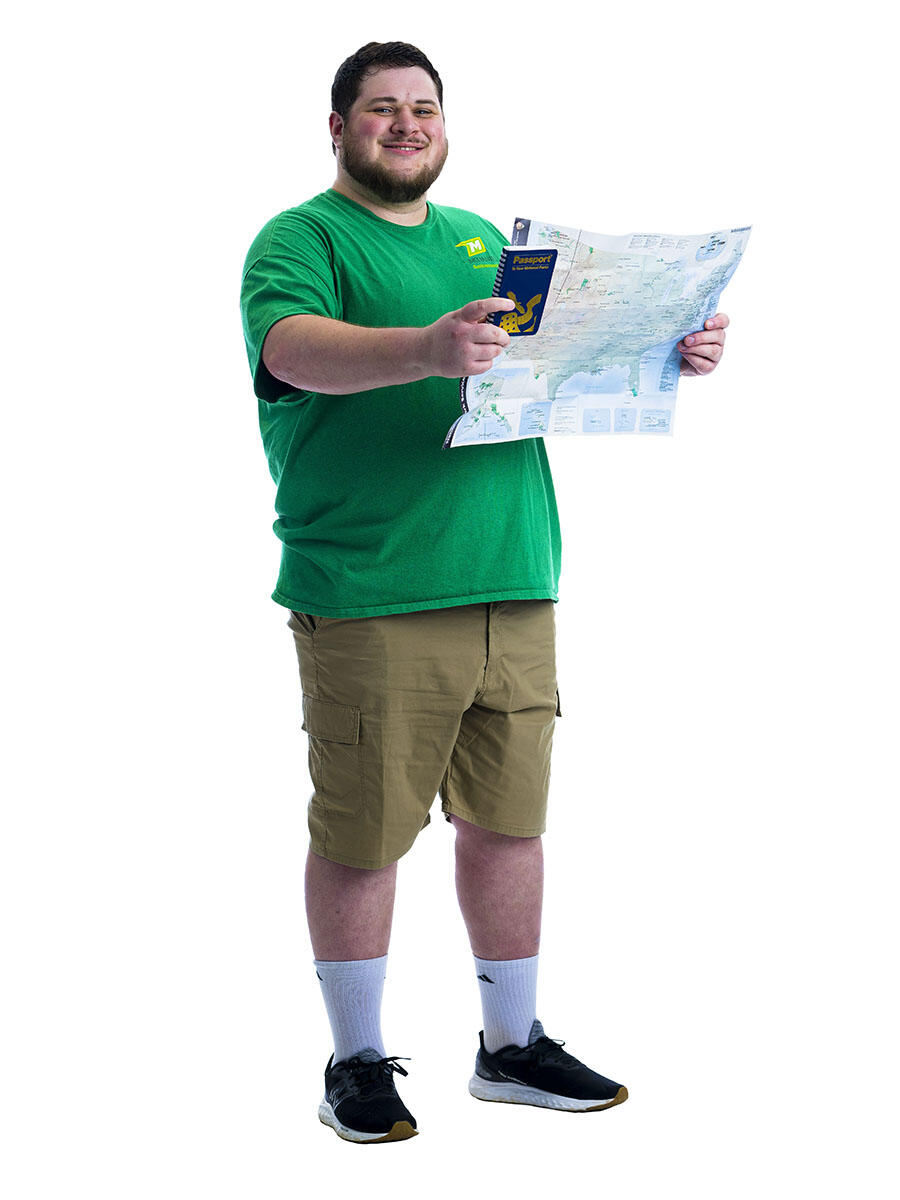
point(498, 777)
point(382, 701)
point(500, 886)
point(499, 882)
point(349, 910)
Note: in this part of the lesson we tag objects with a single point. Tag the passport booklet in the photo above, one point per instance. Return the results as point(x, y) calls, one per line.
point(523, 275)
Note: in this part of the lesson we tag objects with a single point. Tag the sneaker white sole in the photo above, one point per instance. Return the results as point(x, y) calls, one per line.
point(398, 1132)
point(518, 1093)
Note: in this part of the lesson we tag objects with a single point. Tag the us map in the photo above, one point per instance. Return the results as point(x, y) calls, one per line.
point(604, 359)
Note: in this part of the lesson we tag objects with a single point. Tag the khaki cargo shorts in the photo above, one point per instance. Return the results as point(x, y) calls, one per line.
point(458, 701)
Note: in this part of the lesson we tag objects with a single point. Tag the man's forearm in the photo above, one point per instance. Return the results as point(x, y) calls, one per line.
point(318, 354)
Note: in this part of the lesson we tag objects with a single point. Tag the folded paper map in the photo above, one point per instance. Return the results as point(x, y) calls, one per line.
point(604, 359)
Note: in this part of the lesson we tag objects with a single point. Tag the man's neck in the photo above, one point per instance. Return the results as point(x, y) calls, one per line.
point(413, 213)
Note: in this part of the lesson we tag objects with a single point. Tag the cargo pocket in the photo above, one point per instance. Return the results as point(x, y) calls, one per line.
point(334, 757)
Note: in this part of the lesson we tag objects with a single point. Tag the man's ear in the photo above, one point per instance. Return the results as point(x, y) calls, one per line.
point(336, 128)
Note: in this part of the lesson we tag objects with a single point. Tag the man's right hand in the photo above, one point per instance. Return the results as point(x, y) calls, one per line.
point(464, 342)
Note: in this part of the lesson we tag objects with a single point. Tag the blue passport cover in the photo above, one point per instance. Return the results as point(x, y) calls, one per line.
point(523, 275)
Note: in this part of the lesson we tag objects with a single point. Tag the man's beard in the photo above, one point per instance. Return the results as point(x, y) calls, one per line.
point(392, 189)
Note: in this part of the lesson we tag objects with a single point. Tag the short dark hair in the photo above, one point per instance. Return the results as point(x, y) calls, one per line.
point(376, 56)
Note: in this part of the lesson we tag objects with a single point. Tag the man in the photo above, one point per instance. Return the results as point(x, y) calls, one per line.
point(421, 584)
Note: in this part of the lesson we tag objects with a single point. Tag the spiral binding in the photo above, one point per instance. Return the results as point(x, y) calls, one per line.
point(494, 318)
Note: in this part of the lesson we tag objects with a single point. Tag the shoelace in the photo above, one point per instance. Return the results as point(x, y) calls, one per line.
point(376, 1076)
point(546, 1049)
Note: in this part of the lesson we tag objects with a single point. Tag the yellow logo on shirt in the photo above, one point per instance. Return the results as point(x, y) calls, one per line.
point(473, 246)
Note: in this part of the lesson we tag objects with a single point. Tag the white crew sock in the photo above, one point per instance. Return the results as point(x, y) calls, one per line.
point(352, 992)
point(508, 1000)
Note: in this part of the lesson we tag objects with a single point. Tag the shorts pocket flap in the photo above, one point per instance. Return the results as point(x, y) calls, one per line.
point(333, 722)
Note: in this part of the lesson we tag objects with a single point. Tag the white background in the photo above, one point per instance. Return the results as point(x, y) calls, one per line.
point(720, 861)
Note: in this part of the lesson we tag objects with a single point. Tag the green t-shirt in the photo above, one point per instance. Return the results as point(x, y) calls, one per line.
point(374, 515)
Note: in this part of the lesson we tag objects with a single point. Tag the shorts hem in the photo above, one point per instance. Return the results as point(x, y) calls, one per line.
point(367, 864)
point(493, 826)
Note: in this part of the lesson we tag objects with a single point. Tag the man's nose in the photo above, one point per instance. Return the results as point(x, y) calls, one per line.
point(404, 120)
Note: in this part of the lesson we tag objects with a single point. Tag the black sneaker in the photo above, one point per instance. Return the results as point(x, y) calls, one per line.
point(361, 1103)
point(542, 1074)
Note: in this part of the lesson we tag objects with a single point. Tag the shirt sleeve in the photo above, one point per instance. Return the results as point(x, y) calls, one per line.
point(288, 272)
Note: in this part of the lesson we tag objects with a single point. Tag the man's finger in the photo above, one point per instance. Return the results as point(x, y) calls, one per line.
point(711, 350)
point(702, 366)
point(477, 310)
point(714, 337)
point(719, 321)
point(488, 332)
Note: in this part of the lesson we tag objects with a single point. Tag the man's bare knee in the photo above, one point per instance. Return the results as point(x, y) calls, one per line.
point(470, 834)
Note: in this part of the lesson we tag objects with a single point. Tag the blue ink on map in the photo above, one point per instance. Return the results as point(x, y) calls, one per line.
point(608, 380)
point(535, 419)
point(711, 248)
point(595, 420)
point(626, 419)
point(655, 420)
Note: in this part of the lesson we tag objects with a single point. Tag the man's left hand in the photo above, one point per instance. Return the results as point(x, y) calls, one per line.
point(700, 352)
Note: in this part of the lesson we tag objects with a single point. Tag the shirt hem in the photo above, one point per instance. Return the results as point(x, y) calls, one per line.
point(379, 610)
